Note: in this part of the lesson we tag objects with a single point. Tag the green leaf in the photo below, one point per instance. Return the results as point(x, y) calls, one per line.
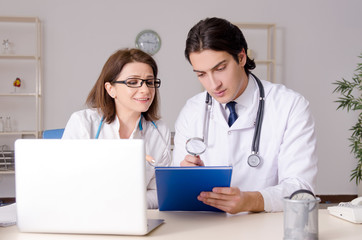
point(351, 100)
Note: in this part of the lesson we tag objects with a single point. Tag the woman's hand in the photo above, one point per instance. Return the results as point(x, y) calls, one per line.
point(150, 159)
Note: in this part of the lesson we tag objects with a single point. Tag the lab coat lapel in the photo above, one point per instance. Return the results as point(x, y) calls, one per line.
point(217, 115)
point(245, 121)
point(247, 118)
point(247, 107)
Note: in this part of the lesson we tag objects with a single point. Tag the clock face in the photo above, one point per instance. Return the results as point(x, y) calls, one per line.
point(148, 41)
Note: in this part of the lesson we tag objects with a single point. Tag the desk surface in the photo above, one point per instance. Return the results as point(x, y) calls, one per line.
point(203, 225)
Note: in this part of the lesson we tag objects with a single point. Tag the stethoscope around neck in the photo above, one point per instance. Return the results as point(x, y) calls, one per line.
point(140, 127)
point(197, 146)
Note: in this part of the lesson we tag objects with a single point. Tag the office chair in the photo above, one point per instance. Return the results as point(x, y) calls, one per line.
point(53, 133)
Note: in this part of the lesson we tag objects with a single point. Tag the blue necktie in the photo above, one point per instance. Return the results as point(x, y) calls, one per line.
point(233, 115)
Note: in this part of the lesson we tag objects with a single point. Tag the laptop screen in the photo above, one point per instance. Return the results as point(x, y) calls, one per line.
point(71, 186)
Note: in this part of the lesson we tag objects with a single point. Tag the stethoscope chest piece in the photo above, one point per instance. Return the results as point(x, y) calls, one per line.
point(254, 160)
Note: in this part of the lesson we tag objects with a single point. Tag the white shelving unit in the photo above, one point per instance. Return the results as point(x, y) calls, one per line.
point(261, 41)
point(21, 59)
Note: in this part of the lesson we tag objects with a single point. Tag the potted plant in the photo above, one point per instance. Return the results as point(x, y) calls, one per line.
point(351, 100)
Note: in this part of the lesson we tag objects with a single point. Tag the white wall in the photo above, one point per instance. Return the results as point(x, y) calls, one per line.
point(318, 43)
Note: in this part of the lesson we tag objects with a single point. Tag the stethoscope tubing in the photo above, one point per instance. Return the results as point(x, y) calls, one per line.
point(140, 128)
point(258, 120)
point(259, 117)
point(99, 128)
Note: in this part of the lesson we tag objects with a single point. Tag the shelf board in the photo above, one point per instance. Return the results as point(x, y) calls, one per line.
point(25, 57)
point(19, 19)
point(18, 94)
point(18, 133)
point(7, 172)
point(265, 61)
point(256, 25)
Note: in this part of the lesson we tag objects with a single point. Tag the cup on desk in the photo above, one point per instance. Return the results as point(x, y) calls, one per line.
point(301, 219)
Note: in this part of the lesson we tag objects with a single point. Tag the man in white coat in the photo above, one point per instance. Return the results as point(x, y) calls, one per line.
point(217, 50)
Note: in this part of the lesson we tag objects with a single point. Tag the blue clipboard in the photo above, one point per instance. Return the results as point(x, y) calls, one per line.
point(178, 187)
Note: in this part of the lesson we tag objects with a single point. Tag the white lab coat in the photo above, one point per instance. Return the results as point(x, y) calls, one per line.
point(84, 125)
point(287, 142)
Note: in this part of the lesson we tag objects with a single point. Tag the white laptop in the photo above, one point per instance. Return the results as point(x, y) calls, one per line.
point(82, 186)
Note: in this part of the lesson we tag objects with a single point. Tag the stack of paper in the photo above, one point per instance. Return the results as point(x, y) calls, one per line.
point(8, 215)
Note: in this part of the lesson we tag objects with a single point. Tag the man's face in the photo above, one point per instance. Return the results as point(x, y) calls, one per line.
point(220, 74)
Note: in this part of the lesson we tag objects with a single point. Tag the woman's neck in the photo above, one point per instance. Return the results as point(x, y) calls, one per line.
point(127, 124)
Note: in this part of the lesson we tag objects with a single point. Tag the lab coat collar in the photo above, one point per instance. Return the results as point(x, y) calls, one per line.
point(247, 103)
point(246, 99)
point(136, 133)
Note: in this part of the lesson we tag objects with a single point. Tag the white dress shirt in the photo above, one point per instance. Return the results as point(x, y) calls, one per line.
point(84, 125)
point(287, 141)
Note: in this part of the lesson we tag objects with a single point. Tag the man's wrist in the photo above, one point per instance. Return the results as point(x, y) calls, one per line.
point(255, 201)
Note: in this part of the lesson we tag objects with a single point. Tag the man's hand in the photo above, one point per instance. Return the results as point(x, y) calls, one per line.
point(232, 200)
point(192, 161)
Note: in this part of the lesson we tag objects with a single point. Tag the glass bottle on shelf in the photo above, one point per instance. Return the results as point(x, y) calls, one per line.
point(6, 46)
point(1, 124)
point(7, 126)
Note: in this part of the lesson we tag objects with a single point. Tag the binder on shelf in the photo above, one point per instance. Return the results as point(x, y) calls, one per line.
point(178, 187)
point(6, 159)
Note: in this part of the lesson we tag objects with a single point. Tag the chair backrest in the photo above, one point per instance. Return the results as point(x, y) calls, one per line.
point(53, 133)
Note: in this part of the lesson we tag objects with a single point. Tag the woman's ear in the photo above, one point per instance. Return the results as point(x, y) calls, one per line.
point(110, 89)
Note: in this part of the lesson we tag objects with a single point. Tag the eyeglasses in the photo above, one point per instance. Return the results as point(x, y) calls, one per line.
point(138, 82)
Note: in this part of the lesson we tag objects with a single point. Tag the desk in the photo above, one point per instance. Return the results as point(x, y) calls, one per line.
point(203, 225)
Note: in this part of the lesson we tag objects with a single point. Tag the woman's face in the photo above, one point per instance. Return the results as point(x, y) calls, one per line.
point(132, 100)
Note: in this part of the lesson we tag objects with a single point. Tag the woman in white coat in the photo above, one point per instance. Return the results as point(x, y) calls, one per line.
point(123, 104)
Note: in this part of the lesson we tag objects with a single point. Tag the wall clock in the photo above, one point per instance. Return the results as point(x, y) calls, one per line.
point(148, 41)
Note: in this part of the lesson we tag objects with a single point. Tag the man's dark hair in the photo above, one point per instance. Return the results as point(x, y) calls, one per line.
point(219, 35)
